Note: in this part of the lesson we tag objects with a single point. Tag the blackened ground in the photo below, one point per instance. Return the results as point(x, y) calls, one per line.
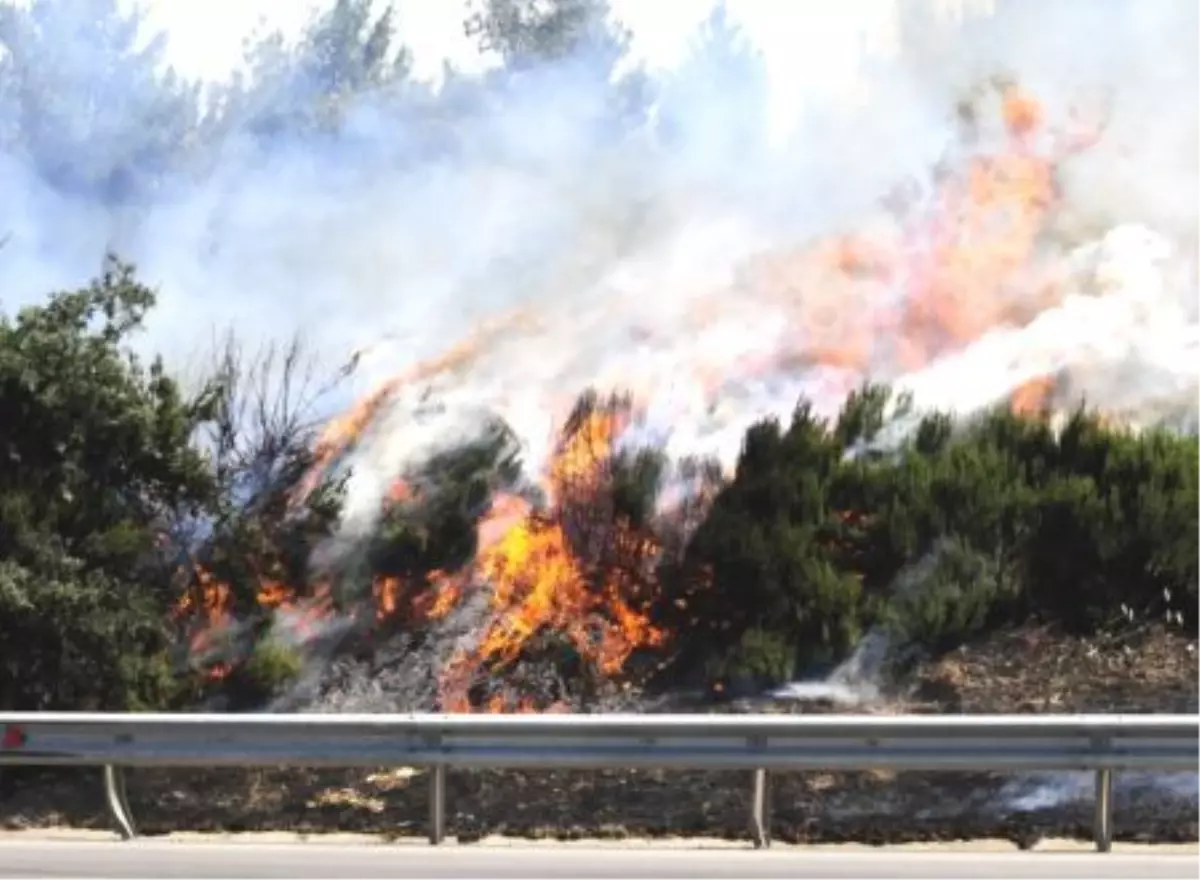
point(1030, 670)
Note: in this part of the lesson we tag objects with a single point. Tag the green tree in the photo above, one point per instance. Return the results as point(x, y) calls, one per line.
point(95, 465)
point(347, 52)
point(768, 551)
point(86, 101)
point(713, 107)
point(527, 32)
point(572, 53)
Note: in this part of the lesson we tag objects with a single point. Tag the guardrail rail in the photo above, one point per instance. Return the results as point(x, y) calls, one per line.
point(759, 744)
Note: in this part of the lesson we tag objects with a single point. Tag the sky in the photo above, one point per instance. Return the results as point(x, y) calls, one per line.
point(814, 42)
point(205, 35)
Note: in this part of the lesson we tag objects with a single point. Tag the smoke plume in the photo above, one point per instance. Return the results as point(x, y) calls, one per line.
point(705, 272)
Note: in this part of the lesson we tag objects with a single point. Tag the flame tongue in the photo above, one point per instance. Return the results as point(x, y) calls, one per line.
point(1033, 397)
point(544, 579)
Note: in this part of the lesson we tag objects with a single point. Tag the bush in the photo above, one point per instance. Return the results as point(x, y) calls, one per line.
point(760, 659)
point(271, 667)
point(75, 640)
point(105, 496)
point(951, 595)
point(814, 539)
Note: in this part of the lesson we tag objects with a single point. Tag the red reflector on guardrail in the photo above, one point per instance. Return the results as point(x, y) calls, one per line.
point(13, 738)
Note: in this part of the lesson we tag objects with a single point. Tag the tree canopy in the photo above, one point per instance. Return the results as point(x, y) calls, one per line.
point(97, 465)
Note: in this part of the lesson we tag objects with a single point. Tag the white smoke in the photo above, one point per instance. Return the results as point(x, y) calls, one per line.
point(1125, 332)
point(1048, 791)
point(618, 263)
point(1125, 310)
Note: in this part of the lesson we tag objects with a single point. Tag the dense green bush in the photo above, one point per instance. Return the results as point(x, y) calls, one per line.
point(962, 526)
point(113, 482)
point(271, 667)
point(948, 596)
point(95, 465)
point(760, 658)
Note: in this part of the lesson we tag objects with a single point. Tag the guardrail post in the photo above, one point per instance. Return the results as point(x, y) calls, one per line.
point(1103, 825)
point(760, 810)
point(117, 800)
point(437, 804)
point(760, 803)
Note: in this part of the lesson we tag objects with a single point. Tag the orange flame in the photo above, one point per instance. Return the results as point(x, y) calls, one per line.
point(440, 600)
point(539, 582)
point(207, 606)
point(1022, 113)
point(209, 600)
point(1033, 397)
point(964, 265)
point(341, 433)
point(981, 241)
point(386, 593)
point(274, 594)
point(400, 492)
point(394, 598)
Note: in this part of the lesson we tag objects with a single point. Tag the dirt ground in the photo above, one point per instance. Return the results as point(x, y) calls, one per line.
point(1030, 670)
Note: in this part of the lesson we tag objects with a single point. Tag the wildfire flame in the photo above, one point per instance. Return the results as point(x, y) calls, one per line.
point(1033, 397)
point(541, 580)
point(958, 266)
point(343, 432)
point(208, 604)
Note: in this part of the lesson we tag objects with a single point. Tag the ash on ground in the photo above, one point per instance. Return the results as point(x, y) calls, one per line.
point(406, 673)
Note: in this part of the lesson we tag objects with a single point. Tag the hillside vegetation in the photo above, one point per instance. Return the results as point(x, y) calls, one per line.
point(167, 544)
point(120, 496)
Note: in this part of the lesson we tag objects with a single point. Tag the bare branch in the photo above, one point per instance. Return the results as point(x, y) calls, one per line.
point(263, 414)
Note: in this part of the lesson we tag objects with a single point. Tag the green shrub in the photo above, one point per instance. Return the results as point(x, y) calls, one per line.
point(949, 596)
point(813, 541)
point(760, 659)
point(271, 667)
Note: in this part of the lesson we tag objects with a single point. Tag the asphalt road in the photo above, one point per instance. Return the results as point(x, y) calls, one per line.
point(59, 858)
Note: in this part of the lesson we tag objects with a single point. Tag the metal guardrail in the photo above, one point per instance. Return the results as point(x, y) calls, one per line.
point(760, 744)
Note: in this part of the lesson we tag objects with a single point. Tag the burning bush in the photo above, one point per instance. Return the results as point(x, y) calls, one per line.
point(567, 570)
